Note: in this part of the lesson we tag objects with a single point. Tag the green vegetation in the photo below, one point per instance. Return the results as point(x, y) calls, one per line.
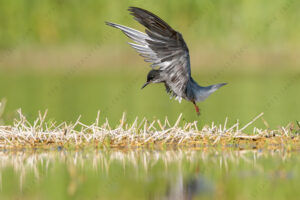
point(229, 23)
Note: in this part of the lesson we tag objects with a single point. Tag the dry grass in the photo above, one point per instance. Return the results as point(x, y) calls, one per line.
point(154, 134)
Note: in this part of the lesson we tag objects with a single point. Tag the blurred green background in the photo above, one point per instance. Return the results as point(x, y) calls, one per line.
point(59, 55)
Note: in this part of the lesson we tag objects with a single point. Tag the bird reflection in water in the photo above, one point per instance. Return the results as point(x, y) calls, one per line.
point(194, 187)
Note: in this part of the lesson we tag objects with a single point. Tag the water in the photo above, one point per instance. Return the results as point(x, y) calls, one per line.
point(149, 174)
point(67, 96)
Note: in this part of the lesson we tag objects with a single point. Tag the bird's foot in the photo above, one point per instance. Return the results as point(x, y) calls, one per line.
point(197, 109)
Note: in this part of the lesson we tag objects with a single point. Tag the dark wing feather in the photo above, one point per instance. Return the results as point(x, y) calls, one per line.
point(162, 46)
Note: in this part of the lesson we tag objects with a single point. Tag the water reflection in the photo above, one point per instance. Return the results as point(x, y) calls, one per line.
point(195, 186)
point(138, 158)
point(186, 173)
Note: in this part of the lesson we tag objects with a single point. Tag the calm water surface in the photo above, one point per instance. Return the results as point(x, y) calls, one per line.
point(67, 96)
point(149, 174)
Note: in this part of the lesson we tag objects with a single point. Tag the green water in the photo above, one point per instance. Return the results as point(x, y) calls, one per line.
point(142, 174)
point(67, 95)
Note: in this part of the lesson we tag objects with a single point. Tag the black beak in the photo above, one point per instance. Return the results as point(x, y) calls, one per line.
point(145, 84)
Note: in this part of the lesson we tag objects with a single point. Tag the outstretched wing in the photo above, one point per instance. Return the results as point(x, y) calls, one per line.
point(162, 46)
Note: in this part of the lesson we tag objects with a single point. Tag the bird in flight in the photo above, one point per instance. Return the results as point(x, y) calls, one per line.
point(165, 48)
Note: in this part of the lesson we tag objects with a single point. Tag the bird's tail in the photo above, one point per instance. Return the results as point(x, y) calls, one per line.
point(217, 86)
point(204, 92)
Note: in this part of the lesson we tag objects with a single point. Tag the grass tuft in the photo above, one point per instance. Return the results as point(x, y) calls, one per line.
point(145, 134)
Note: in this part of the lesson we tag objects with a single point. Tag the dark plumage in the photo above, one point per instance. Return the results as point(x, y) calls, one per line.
point(164, 47)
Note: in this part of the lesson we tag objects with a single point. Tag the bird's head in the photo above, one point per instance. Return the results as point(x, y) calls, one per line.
point(152, 77)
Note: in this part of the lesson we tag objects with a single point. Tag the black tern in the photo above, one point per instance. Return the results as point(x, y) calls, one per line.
point(165, 48)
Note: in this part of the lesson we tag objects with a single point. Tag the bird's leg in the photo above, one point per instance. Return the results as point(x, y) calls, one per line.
point(196, 108)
